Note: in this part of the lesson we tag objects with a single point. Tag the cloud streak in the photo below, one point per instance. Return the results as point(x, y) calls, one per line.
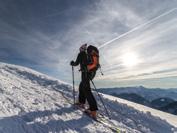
point(156, 46)
point(46, 35)
point(139, 27)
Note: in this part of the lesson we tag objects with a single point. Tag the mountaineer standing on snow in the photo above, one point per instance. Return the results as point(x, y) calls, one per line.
point(88, 58)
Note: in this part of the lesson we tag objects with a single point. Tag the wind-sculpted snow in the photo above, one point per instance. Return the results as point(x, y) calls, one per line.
point(31, 102)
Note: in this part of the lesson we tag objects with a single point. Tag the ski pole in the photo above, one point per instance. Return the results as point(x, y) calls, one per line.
point(99, 67)
point(101, 71)
point(73, 85)
point(101, 100)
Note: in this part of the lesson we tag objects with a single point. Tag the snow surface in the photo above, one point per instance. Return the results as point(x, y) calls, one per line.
point(31, 102)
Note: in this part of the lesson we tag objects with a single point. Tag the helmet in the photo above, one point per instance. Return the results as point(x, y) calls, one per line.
point(83, 47)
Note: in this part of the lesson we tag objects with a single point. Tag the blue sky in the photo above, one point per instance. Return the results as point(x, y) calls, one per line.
point(45, 35)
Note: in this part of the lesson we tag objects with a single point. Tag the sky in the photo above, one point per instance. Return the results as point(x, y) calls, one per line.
point(137, 39)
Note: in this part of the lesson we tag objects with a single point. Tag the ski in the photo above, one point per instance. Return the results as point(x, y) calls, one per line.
point(100, 117)
point(101, 121)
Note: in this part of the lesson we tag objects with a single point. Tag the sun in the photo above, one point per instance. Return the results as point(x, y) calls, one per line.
point(130, 59)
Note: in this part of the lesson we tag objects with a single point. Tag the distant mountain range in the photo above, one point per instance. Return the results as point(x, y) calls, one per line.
point(162, 99)
point(133, 97)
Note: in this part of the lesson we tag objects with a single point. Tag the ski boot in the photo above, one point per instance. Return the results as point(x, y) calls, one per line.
point(92, 114)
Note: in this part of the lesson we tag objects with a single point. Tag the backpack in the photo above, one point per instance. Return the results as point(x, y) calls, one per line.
point(93, 58)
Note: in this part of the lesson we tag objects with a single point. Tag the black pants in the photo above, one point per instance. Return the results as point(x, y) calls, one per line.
point(85, 92)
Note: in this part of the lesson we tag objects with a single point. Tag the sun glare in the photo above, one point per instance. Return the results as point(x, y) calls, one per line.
point(130, 59)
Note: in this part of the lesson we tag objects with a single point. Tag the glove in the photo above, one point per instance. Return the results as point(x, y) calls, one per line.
point(72, 63)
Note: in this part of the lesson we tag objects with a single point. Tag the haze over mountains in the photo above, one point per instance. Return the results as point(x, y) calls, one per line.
point(162, 99)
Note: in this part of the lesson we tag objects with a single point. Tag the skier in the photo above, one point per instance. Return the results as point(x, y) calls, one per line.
point(87, 73)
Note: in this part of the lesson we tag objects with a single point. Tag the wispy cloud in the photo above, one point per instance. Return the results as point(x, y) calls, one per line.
point(47, 35)
point(155, 44)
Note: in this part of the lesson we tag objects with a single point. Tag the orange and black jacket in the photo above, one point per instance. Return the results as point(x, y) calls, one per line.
point(82, 60)
point(87, 63)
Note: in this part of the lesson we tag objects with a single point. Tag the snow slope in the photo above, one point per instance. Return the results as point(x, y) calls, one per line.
point(31, 102)
point(172, 119)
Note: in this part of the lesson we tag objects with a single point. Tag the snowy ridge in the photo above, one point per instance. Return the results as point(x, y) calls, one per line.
point(172, 119)
point(32, 102)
